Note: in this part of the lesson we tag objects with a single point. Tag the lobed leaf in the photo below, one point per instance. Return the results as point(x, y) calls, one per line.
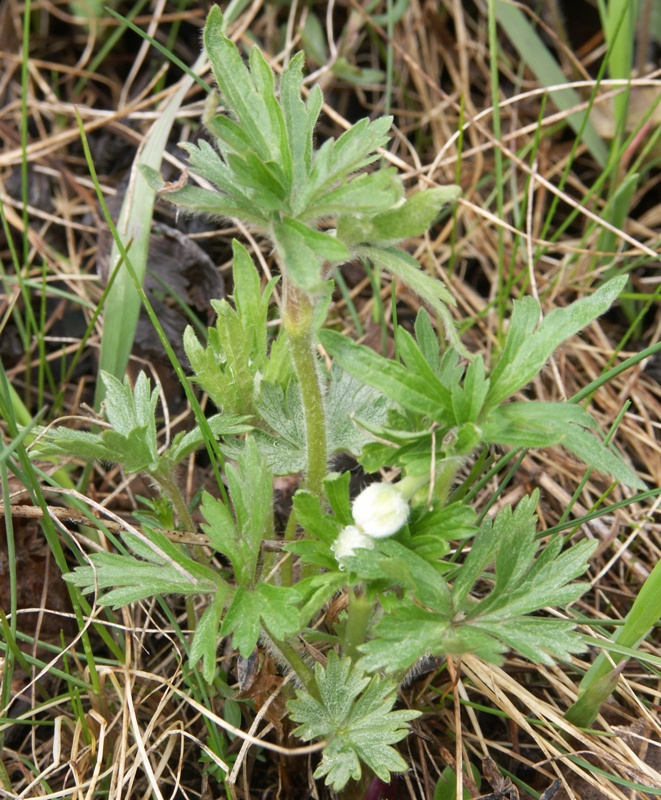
point(411, 391)
point(355, 714)
point(529, 346)
point(270, 606)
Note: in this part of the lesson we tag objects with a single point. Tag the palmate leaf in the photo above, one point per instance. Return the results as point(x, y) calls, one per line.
point(166, 569)
point(235, 357)
point(349, 398)
point(269, 174)
point(413, 392)
point(282, 410)
point(273, 607)
point(354, 713)
point(130, 442)
point(524, 581)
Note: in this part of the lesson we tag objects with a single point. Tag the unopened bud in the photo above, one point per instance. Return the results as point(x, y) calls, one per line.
point(380, 510)
point(348, 540)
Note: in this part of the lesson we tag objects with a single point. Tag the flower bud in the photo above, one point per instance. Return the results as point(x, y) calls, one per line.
point(380, 510)
point(348, 540)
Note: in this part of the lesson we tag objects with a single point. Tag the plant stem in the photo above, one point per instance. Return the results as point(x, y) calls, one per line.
point(169, 487)
point(297, 318)
point(359, 614)
point(304, 673)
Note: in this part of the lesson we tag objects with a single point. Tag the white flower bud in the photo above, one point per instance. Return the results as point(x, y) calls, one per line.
point(348, 540)
point(380, 510)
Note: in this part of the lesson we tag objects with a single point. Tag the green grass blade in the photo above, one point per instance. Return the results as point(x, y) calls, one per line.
point(535, 53)
point(134, 226)
point(644, 614)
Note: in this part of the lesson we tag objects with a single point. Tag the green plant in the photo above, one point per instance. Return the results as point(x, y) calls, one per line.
point(281, 412)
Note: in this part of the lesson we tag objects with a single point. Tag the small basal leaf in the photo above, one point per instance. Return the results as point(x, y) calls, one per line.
point(354, 713)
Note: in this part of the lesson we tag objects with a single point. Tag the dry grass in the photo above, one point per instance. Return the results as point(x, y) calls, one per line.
point(141, 733)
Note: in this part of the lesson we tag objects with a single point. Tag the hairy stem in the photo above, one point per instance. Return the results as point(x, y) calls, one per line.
point(298, 321)
point(359, 614)
point(168, 486)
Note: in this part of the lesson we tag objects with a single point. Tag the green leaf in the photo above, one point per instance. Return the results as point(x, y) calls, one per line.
point(206, 201)
point(412, 218)
point(411, 391)
point(528, 349)
point(303, 251)
point(336, 487)
point(367, 193)
point(264, 80)
point(409, 351)
point(237, 86)
point(221, 529)
point(394, 562)
point(300, 119)
point(270, 606)
point(403, 639)
point(534, 423)
point(221, 425)
point(468, 401)
point(539, 424)
point(127, 408)
point(431, 531)
point(130, 580)
point(205, 640)
point(235, 355)
point(427, 340)
point(282, 410)
point(355, 714)
point(263, 178)
point(349, 399)
point(206, 162)
point(337, 159)
point(240, 536)
point(77, 444)
point(131, 441)
point(234, 344)
point(524, 582)
point(312, 518)
point(252, 305)
point(596, 454)
point(210, 370)
point(430, 290)
point(133, 451)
